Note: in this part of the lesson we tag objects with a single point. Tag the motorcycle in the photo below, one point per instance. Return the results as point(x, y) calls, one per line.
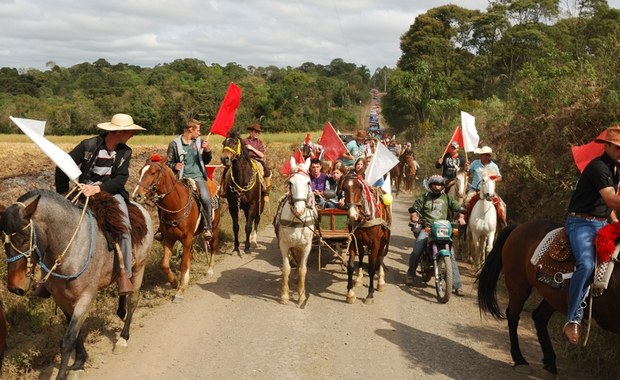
point(436, 258)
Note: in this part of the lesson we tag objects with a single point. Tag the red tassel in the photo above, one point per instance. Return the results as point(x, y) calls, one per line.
point(155, 157)
point(307, 141)
point(606, 241)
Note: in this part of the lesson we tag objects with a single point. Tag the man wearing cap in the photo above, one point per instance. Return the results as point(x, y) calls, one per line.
point(256, 148)
point(187, 156)
point(356, 148)
point(591, 203)
point(450, 164)
point(104, 162)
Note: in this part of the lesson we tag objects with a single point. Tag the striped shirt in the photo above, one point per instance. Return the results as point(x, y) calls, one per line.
point(102, 168)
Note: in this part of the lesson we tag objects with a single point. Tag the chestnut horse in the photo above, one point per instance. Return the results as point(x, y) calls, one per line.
point(243, 189)
point(180, 219)
point(69, 245)
point(513, 250)
point(369, 223)
point(404, 172)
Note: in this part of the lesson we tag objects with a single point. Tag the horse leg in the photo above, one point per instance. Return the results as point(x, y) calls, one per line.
point(73, 340)
point(254, 233)
point(513, 314)
point(186, 261)
point(351, 298)
point(286, 271)
point(121, 310)
point(234, 214)
point(541, 317)
point(132, 303)
point(210, 262)
point(372, 268)
point(302, 269)
point(165, 264)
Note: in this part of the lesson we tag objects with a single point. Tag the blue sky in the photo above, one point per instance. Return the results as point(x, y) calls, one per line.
point(248, 32)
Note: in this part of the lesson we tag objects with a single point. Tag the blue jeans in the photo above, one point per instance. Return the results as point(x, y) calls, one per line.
point(414, 259)
point(581, 233)
point(205, 197)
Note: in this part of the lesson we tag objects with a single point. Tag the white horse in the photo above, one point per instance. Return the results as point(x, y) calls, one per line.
point(483, 222)
point(295, 225)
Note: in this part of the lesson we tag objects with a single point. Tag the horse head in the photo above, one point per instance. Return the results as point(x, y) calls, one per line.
point(155, 182)
point(233, 148)
point(353, 188)
point(300, 191)
point(487, 187)
point(20, 243)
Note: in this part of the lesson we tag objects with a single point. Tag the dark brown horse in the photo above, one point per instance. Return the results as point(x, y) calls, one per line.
point(512, 250)
point(244, 191)
point(369, 222)
point(3, 332)
point(179, 219)
point(404, 172)
point(68, 243)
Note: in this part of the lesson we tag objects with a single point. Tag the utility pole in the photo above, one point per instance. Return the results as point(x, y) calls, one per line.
point(385, 80)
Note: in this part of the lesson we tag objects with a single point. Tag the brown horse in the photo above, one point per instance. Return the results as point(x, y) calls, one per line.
point(179, 219)
point(404, 172)
point(512, 250)
point(3, 332)
point(369, 222)
point(68, 243)
point(244, 191)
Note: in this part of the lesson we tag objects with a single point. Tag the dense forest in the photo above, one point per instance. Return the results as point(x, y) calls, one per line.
point(538, 75)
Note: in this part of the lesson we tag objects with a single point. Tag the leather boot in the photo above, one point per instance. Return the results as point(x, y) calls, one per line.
point(124, 284)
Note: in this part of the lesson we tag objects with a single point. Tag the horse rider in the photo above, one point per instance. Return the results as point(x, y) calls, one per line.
point(187, 156)
point(256, 148)
point(104, 162)
point(429, 207)
point(590, 207)
point(450, 164)
point(356, 148)
point(476, 170)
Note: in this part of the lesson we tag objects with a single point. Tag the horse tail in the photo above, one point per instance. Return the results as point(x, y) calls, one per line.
point(487, 279)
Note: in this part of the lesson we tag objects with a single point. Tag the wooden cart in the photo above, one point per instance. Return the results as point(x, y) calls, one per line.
point(334, 234)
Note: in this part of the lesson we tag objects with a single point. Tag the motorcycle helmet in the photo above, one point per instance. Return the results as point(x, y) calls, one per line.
point(436, 180)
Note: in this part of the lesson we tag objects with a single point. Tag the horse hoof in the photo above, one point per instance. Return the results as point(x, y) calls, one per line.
point(120, 346)
point(358, 284)
point(369, 301)
point(351, 299)
point(380, 287)
point(210, 273)
point(177, 299)
point(284, 301)
point(77, 375)
point(523, 369)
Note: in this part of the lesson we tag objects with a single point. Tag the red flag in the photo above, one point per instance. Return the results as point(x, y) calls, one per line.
point(299, 158)
point(210, 169)
point(456, 136)
point(307, 140)
point(331, 143)
point(225, 117)
point(583, 154)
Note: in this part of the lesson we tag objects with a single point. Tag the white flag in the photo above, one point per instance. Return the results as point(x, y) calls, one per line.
point(34, 129)
point(387, 184)
point(381, 163)
point(470, 134)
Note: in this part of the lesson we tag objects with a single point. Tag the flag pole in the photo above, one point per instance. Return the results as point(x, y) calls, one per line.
point(450, 142)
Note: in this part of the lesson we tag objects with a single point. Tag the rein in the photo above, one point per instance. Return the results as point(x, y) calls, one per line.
point(238, 187)
point(33, 247)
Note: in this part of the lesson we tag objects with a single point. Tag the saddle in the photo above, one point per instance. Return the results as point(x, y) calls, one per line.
point(106, 211)
point(554, 260)
point(499, 204)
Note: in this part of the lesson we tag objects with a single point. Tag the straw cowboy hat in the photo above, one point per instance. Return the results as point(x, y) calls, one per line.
point(254, 127)
point(484, 150)
point(612, 136)
point(120, 122)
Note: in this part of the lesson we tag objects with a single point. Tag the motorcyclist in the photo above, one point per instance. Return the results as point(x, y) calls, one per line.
point(429, 207)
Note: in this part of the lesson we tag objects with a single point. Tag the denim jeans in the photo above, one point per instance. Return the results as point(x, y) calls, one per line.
point(581, 233)
point(414, 259)
point(205, 197)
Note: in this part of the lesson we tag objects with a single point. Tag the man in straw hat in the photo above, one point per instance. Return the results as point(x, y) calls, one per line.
point(591, 203)
point(104, 162)
point(256, 149)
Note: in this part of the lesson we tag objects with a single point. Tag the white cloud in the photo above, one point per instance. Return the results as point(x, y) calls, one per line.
point(248, 32)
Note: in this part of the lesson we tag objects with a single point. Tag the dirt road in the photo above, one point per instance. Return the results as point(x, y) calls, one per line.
point(232, 327)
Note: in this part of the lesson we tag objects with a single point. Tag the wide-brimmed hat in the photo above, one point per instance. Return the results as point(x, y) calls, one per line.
point(254, 127)
point(484, 150)
point(612, 136)
point(360, 134)
point(120, 122)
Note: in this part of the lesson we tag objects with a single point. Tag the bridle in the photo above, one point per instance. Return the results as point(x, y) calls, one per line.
point(151, 191)
point(236, 152)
